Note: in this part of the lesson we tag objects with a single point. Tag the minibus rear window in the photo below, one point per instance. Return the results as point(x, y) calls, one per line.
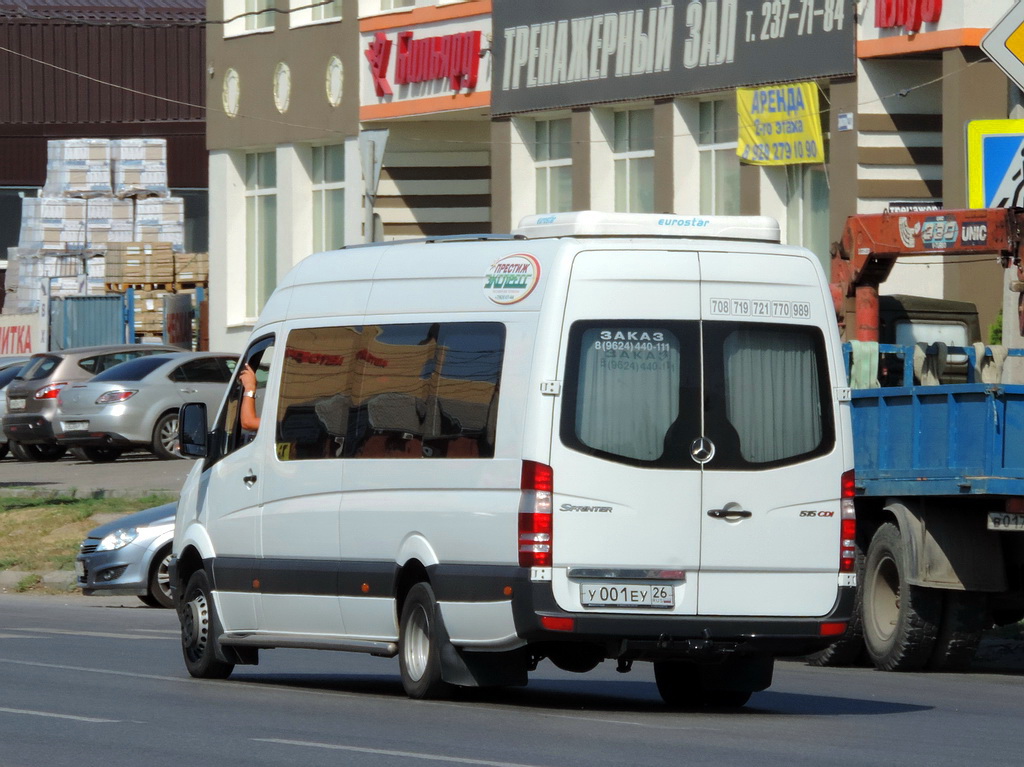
point(638, 393)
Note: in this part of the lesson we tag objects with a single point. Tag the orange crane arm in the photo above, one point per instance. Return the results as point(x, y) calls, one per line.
point(871, 243)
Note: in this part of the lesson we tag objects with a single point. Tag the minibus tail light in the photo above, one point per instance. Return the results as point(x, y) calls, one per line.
point(535, 526)
point(848, 525)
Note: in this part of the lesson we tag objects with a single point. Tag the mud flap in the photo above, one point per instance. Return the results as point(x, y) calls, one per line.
point(466, 668)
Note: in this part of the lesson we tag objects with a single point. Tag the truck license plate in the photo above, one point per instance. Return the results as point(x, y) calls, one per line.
point(16, 403)
point(626, 595)
point(1000, 520)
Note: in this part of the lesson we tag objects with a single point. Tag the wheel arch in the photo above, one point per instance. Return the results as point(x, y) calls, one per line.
point(945, 547)
point(189, 560)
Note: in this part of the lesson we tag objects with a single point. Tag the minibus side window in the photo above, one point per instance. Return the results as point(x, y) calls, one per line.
point(316, 406)
point(415, 390)
point(228, 434)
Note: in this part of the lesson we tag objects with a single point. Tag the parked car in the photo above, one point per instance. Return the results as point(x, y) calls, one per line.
point(32, 395)
point(135, 404)
point(129, 557)
point(12, 360)
point(7, 374)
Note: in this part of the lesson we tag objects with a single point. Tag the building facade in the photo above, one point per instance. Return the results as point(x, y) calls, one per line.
point(283, 127)
point(388, 119)
point(336, 125)
point(609, 105)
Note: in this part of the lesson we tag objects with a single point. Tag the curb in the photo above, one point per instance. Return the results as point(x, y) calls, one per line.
point(85, 493)
point(59, 579)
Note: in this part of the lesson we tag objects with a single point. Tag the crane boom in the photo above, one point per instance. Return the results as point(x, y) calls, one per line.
point(871, 243)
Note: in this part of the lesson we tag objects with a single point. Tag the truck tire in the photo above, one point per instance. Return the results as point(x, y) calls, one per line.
point(900, 621)
point(849, 649)
point(965, 616)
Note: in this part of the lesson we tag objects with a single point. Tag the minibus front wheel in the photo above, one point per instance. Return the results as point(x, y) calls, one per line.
point(200, 627)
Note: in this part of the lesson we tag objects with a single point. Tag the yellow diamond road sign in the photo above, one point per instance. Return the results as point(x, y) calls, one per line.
point(1004, 44)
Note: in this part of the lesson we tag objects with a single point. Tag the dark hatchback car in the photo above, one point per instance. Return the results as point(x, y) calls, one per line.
point(32, 395)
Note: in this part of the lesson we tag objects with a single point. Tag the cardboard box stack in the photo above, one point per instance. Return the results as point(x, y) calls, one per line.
point(140, 168)
point(153, 270)
point(78, 167)
point(100, 196)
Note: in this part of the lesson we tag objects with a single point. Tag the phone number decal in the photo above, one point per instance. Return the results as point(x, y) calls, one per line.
point(757, 307)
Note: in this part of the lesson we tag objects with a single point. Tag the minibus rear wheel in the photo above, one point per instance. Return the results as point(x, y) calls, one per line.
point(421, 635)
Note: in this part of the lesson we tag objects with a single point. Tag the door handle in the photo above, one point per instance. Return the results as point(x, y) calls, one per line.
point(727, 512)
point(249, 479)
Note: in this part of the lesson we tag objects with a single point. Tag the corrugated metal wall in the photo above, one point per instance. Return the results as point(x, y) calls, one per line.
point(138, 74)
point(111, 78)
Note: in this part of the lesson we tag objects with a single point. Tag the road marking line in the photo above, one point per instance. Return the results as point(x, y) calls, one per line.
point(89, 719)
point(100, 634)
point(62, 667)
point(388, 752)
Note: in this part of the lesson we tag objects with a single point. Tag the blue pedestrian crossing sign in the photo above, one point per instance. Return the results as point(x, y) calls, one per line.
point(995, 163)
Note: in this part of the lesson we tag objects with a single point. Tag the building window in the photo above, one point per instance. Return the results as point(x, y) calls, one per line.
point(328, 197)
point(330, 10)
point(255, 20)
point(260, 229)
point(633, 154)
point(391, 5)
point(305, 12)
point(719, 166)
point(553, 158)
point(807, 217)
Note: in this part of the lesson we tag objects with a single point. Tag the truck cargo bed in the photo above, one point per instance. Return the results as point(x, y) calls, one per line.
point(953, 439)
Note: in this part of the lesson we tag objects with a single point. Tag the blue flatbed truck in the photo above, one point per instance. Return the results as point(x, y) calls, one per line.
point(939, 476)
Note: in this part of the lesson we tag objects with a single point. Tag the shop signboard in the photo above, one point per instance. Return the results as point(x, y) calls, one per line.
point(425, 68)
point(779, 125)
point(576, 52)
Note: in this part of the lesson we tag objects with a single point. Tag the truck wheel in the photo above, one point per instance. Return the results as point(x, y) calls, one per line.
point(900, 621)
point(965, 617)
point(421, 636)
point(199, 629)
point(849, 649)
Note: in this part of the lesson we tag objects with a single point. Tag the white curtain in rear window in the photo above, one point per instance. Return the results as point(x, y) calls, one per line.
point(628, 391)
point(771, 393)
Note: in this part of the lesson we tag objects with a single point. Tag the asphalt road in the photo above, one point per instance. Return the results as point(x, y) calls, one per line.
point(100, 682)
point(131, 474)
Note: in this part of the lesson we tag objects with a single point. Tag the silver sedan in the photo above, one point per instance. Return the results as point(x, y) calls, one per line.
point(129, 556)
point(135, 404)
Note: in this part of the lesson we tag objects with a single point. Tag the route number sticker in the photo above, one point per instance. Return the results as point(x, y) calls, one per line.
point(761, 308)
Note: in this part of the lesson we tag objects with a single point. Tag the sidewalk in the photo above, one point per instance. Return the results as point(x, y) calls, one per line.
point(132, 475)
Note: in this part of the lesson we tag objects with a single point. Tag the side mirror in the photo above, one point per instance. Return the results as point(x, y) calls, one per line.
point(192, 434)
